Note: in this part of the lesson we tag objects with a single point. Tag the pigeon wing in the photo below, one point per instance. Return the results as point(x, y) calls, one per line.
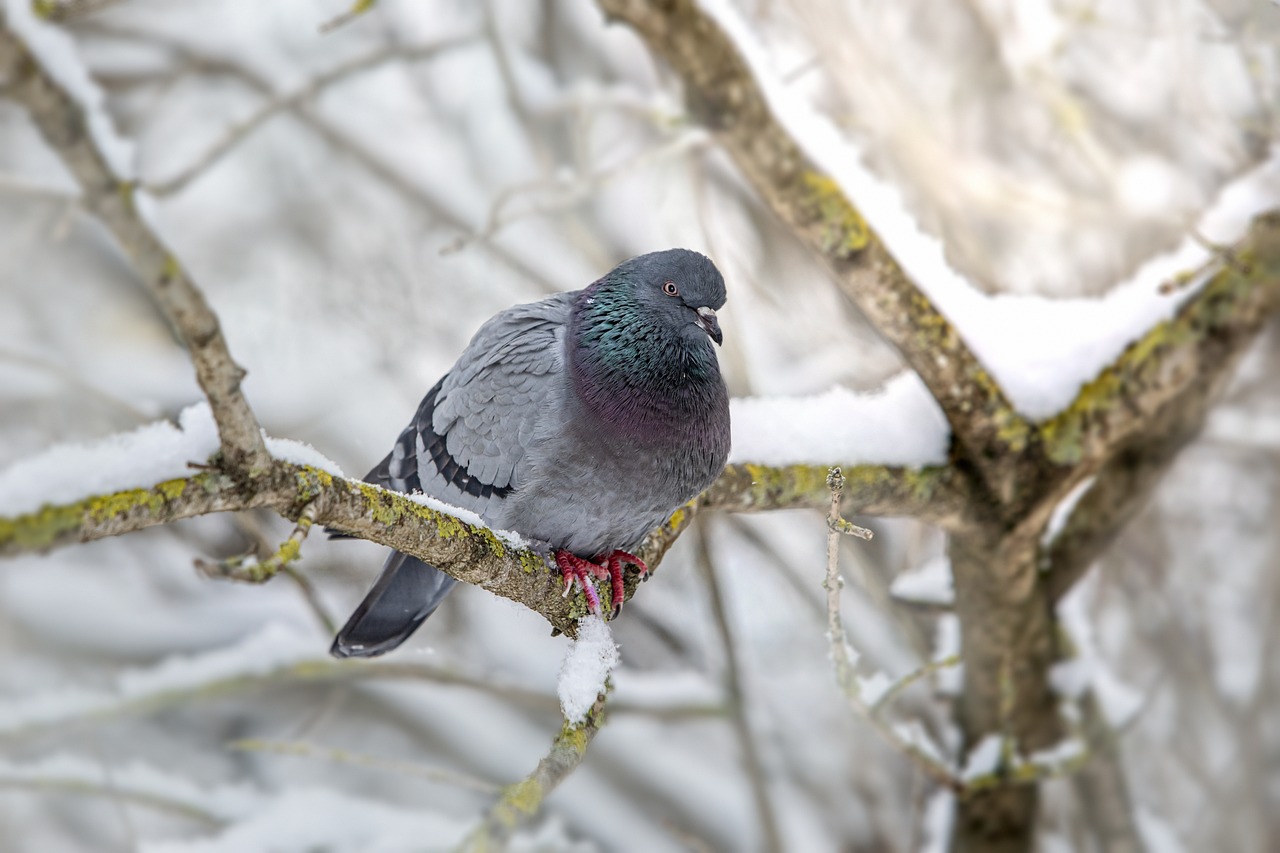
point(469, 436)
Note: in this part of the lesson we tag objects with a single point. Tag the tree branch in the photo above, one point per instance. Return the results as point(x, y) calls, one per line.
point(1142, 410)
point(471, 554)
point(522, 801)
point(722, 92)
point(284, 103)
point(1187, 355)
point(65, 125)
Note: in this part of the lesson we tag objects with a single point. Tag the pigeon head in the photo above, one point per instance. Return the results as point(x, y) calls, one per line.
point(640, 337)
point(678, 288)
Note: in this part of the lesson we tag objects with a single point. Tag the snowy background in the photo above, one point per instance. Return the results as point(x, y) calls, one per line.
point(380, 201)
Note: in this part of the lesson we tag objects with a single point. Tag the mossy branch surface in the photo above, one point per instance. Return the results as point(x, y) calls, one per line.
point(470, 553)
point(519, 803)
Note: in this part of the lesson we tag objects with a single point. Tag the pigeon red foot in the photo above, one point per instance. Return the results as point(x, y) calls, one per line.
point(575, 568)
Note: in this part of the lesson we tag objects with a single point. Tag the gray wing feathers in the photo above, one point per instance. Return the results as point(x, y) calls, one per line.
point(489, 403)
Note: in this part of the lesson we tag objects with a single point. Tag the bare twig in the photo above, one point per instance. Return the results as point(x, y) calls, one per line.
point(285, 103)
point(342, 756)
point(69, 11)
point(571, 191)
point(848, 528)
point(845, 659)
point(357, 9)
point(520, 802)
point(249, 569)
point(770, 839)
point(71, 784)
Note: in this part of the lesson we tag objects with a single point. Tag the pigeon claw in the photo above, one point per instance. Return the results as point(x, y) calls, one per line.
point(574, 568)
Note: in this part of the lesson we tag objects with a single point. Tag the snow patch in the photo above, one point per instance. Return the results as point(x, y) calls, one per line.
point(873, 688)
point(301, 453)
point(587, 664)
point(899, 425)
point(139, 459)
point(984, 758)
point(1062, 512)
point(939, 817)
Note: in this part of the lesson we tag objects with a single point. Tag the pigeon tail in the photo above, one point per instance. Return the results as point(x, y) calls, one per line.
point(405, 594)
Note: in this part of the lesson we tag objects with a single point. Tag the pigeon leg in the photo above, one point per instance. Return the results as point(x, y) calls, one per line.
point(573, 567)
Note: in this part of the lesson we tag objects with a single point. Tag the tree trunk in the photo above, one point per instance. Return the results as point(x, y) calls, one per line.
point(1008, 644)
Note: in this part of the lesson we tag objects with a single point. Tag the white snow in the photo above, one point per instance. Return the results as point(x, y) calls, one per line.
point(138, 459)
point(898, 425)
point(872, 688)
point(301, 453)
point(1119, 702)
point(930, 583)
point(939, 816)
point(1157, 834)
point(1040, 350)
point(1070, 678)
point(1059, 755)
point(148, 455)
point(983, 758)
point(587, 664)
point(508, 537)
point(913, 734)
point(1062, 512)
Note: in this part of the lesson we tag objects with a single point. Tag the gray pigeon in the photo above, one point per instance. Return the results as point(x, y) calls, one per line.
point(582, 421)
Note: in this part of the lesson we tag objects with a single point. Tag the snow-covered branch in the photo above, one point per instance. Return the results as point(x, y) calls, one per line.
point(722, 91)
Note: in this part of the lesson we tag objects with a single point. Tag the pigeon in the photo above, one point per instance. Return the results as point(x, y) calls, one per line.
point(581, 421)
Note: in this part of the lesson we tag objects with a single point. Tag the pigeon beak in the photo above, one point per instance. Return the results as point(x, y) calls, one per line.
point(707, 321)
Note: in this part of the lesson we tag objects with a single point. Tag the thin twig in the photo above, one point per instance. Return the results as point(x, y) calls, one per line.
point(770, 838)
point(284, 103)
point(360, 7)
point(843, 655)
point(520, 802)
point(342, 756)
point(68, 784)
point(249, 569)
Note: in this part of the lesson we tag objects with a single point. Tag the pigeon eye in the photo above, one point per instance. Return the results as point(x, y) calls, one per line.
point(670, 289)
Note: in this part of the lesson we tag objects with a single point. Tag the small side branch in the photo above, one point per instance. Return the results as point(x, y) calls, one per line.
point(520, 802)
point(249, 569)
point(845, 658)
